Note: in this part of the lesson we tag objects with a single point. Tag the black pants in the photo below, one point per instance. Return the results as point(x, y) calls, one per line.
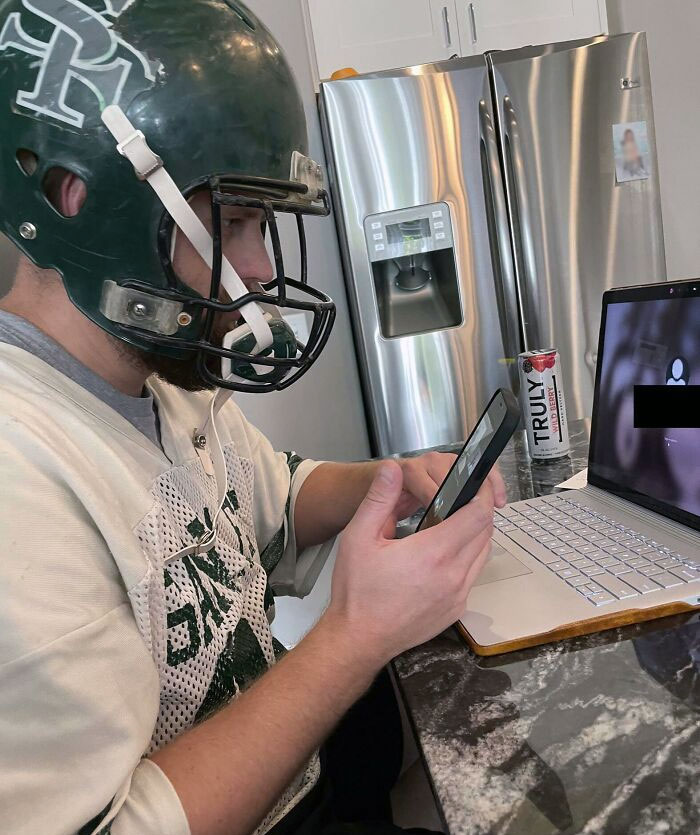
point(360, 764)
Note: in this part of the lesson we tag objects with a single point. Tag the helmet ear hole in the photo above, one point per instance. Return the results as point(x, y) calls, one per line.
point(27, 160)
point(64, 191)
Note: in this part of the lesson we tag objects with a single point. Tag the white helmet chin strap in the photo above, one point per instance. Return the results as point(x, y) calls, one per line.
point(132, 144)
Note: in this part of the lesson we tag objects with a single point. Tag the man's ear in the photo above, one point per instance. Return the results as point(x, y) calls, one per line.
point(64, 190)
point(72, 194)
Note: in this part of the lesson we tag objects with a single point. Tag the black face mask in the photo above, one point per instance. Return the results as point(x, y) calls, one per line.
point(286, 360)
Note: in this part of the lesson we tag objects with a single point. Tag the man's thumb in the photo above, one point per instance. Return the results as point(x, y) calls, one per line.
point(381, 499)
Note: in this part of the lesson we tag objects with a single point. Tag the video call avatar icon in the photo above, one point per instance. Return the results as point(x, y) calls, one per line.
point(678, 372)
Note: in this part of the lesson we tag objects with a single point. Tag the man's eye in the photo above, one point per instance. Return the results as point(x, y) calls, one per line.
point(231, 221)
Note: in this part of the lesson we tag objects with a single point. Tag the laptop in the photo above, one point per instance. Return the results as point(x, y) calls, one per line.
point(626, 548)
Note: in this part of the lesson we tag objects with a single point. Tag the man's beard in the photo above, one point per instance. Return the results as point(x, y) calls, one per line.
point(181, 373)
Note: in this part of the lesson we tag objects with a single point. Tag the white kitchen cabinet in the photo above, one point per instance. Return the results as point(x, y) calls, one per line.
point(508, 24)
point(370, 35)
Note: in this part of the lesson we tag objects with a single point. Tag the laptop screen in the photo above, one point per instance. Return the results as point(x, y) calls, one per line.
point(649, 348)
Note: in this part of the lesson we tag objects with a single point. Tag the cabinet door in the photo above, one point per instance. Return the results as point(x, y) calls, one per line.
point(508, 24)
point(371, 35)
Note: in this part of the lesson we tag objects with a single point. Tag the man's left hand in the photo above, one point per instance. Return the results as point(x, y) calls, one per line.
point(423, 475)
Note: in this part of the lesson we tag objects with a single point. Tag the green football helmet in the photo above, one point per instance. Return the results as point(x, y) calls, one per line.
point(148, 102)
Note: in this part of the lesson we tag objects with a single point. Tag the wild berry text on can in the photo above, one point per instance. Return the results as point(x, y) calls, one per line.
point(544, 409)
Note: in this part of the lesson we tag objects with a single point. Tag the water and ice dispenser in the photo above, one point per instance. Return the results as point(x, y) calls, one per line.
point(414, 270)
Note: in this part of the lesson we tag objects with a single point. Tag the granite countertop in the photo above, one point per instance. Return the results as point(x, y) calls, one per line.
point(598, 735)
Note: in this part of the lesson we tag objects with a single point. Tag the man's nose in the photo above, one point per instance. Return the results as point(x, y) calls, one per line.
point(252, 261)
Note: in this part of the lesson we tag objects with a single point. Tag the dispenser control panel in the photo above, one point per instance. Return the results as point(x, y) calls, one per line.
point(408, 231)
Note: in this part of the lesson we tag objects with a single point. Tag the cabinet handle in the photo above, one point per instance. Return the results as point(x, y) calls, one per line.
point(446, 23)
point(472, 21)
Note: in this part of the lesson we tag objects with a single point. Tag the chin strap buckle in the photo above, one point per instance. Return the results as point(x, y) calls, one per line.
point(136, 150)
point(131, 143)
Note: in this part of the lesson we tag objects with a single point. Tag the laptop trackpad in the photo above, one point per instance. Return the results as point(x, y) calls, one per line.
point(500, 566)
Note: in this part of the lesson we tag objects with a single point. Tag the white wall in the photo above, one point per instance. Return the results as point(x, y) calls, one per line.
point(673, 34)
point(322, 415)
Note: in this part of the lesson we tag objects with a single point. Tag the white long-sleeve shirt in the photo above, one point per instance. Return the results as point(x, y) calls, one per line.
point(108, 649)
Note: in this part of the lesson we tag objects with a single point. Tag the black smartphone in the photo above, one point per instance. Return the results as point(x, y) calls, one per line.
point(474, 463)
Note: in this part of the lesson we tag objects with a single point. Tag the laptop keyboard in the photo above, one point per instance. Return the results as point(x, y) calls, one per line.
point(603, 560)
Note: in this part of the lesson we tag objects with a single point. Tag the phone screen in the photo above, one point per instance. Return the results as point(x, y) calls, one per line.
point(465, 465)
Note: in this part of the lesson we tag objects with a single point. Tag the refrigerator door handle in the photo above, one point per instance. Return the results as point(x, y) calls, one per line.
point(499, 241)
point(523, 239)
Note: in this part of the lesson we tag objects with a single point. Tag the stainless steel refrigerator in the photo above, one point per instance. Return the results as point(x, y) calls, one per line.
point(483, 205)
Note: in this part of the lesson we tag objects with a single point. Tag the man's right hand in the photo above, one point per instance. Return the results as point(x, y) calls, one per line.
point(392, 594)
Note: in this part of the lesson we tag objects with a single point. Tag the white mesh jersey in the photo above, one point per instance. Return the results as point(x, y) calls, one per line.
point(110, 644)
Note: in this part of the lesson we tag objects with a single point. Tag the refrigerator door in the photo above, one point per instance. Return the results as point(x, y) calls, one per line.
point(402, 145)
point(583, 199)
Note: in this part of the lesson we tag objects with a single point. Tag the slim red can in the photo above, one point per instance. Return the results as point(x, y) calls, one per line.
point(542, 400)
